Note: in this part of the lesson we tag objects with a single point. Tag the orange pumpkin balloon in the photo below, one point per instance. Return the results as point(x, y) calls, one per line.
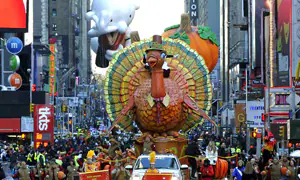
point(283, 170)
point(201, 39)
point(61, 175)
point(221, 169)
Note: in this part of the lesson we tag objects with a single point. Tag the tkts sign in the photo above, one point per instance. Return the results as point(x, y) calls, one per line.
point(43, 125)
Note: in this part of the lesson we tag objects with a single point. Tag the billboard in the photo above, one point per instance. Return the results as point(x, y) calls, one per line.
point(43, 124)
point(296, 38)
point(240, 115)
point(278, 99)
point(254, 112)
point(284, 36)
point(281, 63)
point(14, 15)
point(26, 124)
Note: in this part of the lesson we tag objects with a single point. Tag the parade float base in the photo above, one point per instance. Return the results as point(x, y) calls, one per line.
point(163, 145)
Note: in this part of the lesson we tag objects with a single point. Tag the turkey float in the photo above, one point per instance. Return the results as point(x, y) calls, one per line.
point(159, 101)
point(163, 86)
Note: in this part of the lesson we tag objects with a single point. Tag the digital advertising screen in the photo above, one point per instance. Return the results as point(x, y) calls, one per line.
point(14, 15)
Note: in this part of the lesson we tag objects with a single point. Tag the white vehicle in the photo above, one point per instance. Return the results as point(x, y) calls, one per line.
point(164, 163)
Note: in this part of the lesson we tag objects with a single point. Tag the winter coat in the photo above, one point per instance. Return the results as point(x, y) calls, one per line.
point(207, 172)
point(212, 156)
point(24, 174)
point(275, 171)
point(238, 173)
point(192, 149)
point(72, 171)
point(294, 174)
point(52, 173)
point(147, 147)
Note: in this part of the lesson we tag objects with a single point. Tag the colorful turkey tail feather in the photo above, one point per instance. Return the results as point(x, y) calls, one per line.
point(188, 70)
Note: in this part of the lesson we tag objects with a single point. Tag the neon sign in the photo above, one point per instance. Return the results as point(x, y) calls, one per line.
point(52, 71)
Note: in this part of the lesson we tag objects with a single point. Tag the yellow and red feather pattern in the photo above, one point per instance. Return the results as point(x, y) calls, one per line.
point(269, 146)
point(126, 74)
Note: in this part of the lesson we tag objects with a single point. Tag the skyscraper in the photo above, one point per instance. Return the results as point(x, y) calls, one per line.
point(64, 25)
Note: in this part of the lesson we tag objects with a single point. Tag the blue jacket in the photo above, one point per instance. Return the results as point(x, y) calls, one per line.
point(238, 172)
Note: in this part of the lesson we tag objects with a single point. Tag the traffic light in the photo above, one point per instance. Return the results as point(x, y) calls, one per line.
point(33, 87)
point(70, 121)
point(254, 133)
point(64, 108)
point(31, 107)
point(23, 136)
point(281, 131)
point(263, 117)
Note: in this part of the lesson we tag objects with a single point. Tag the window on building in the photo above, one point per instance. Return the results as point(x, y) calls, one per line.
point(54, 13)
point(54, 27)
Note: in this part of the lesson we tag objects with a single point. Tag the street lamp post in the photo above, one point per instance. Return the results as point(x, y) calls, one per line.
point(247, 125)
point(30, 89)
point(30, 99)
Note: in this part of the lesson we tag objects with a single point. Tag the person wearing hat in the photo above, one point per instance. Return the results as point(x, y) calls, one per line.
point(118, 171)
point(117, 158)
point(207, 171)
point(268, 150)
point(131, 157)
point(113, 147)
point(89, 165)
point(237, 173)
point(52, 170)
point(23, 172)
point(38, 172)
point(152, 168)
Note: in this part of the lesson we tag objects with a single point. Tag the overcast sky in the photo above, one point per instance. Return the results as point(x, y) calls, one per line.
point(152, 18)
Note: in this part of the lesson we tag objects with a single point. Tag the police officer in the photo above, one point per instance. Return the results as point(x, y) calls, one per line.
point(238, 149)
point(41, 158)
point(232, 150)
point(30, 158)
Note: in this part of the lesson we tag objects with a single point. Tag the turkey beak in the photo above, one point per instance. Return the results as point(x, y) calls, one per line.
point(152, 61)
